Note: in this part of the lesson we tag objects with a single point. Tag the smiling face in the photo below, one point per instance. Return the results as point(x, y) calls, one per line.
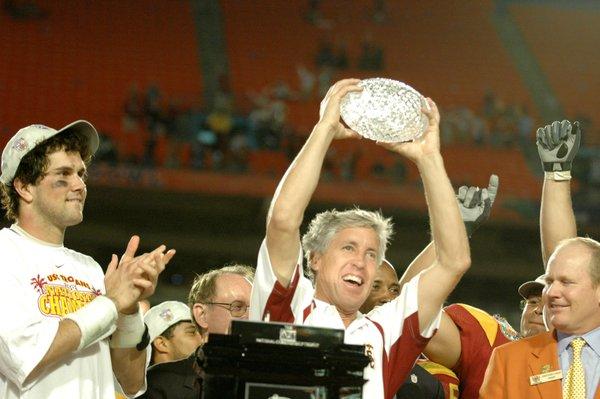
point(346, 269)
point(230, 288)
point(532, 322)
point(572, 298)
point(58, 198)
point(384, 289)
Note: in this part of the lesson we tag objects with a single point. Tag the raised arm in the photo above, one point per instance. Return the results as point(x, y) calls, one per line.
point(475, 205)
point(448, 230)
point(557, 145)
point(300, 181)
point(422, 261)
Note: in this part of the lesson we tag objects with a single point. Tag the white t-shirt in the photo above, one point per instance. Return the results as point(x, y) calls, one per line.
point(39, 284)
point(390, 332)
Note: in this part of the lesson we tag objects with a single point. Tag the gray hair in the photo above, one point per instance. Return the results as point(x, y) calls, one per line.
point(326, 224)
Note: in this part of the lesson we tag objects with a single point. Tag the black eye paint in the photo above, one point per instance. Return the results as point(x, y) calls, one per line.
point(60, 183)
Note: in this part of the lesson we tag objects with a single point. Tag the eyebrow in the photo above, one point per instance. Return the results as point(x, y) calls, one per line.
point(355, 243)
point(68, 169)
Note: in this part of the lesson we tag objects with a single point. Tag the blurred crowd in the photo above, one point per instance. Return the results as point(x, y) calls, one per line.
point(159, 131)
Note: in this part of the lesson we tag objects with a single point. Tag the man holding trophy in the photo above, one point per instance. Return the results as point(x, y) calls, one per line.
point(344, 249)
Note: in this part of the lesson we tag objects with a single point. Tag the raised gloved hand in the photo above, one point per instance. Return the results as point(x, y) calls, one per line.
point(475, 204)
point(557, 145)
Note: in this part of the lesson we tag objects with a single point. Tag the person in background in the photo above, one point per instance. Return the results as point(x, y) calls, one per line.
point(173, 335)
point(429, 379)
point(216, 297)
point(564, 360)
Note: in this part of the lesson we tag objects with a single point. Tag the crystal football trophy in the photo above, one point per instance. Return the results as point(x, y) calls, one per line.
point(385, 110)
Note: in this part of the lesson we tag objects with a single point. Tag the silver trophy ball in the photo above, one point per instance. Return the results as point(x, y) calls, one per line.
point(385, 110)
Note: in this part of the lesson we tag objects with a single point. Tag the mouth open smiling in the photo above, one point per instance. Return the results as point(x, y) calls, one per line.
point(353, 280)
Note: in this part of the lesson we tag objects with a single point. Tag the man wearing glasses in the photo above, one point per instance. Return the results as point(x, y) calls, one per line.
point(216, 297)
point(219, 296)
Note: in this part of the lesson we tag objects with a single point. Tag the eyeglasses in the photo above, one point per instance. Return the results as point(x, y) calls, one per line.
point(531, 302)
point(236, 308)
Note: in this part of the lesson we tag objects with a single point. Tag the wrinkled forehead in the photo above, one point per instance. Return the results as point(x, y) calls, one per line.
point(358, 234)
point(570, 259)
point(232, 287)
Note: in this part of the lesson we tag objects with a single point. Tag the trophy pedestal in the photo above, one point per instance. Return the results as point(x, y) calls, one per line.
point(273, 360)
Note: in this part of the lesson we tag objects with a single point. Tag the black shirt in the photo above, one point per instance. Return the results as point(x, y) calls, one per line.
point(176, 380)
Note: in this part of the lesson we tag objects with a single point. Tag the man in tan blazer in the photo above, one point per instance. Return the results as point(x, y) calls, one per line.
point(539, 366)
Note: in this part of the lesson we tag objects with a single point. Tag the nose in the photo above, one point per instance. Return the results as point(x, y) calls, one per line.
point(360, 261)
point(79, 183)
point(384, 299)
point(551, 291)
point(246, 314)
point(198, 337)
point(389, 296)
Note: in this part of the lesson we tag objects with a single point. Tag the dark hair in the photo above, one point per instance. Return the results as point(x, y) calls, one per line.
point(168, 334)
point(34, 165)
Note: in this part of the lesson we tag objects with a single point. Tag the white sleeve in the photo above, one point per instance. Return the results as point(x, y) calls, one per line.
point(400, 316)
point(25, 335)
point(272, 300)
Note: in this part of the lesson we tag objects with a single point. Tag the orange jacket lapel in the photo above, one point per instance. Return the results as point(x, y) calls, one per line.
point(544, 359)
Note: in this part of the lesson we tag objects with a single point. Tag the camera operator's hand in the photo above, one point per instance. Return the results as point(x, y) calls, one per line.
point(557, 145)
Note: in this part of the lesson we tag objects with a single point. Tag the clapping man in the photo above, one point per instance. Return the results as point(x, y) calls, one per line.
point(59, 308)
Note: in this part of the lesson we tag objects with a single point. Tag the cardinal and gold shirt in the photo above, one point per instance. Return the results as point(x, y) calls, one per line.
point(480, 333)
point(390, 333)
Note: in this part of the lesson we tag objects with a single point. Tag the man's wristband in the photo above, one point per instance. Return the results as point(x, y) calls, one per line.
point(129, 332)
point(145, 340)
point(564, 175)
point(96, 320)
point(557, 166)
